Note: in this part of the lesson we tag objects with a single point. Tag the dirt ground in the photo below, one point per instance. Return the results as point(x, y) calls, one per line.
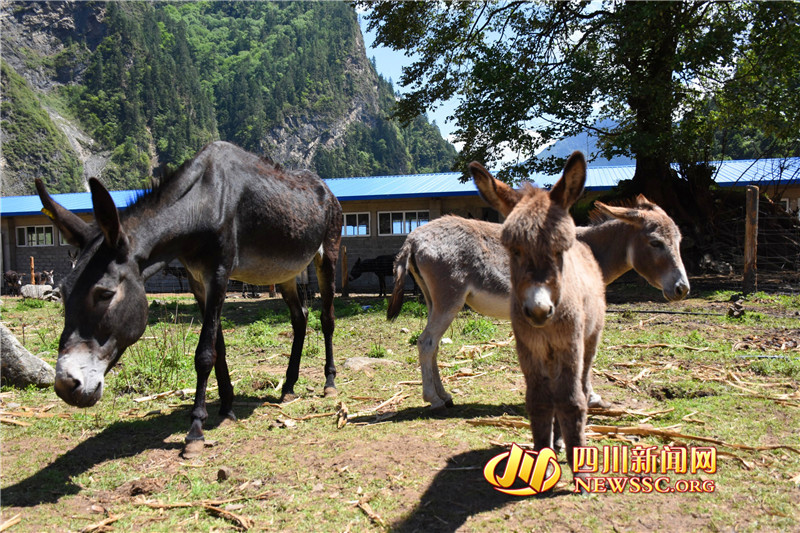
point(402, 467)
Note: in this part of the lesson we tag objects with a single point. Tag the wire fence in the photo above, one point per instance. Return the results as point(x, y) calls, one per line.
point(778, 248)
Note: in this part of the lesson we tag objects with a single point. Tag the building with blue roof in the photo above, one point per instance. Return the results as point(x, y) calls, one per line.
point(378, 211)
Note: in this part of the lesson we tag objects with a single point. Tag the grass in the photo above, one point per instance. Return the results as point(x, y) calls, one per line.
point(415, 469)
point(479, 329)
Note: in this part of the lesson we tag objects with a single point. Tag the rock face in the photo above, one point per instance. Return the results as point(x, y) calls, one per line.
point(50, 44)
point(43, 28)
point(18, 367)
point(295, 142)
point(33, 44)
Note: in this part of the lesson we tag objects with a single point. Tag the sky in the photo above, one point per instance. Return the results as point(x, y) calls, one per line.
point(390, 64)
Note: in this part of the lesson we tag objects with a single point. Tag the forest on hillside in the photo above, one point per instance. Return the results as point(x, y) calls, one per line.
point(163, 79)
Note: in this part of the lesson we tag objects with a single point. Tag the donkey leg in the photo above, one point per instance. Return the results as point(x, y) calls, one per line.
point(223, 380)
point(593, 398)
point(558, 439)
point(205, 358)
point(439, 319)
point(572, 419)
point(571, 408)
point(326, 274)
point(444, 297)
point(539, 404)
point(299, 316)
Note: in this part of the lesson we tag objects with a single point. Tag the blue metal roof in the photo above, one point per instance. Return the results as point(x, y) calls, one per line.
point(409, 186)
point(77, 202)
point(728, 173)
point(758, 172)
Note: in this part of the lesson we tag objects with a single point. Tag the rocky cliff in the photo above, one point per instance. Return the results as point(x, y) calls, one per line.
point(119, 90)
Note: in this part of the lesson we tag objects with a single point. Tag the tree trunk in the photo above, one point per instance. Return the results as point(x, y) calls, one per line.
point(18, 367)
point(659, 183)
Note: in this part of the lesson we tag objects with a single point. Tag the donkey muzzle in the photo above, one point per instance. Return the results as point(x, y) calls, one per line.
point(78, 382)
point(678, 290)
point(538, 306)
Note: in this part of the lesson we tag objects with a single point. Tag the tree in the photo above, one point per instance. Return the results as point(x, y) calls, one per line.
point(527, 74)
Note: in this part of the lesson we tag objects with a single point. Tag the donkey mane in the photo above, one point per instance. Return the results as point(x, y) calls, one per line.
point(159, 187)
point(155, 190)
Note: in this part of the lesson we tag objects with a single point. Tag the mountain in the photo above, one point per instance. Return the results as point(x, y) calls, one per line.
point(586, 142)
point(125, 90)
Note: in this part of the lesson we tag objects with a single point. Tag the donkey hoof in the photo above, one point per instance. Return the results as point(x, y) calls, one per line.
point(193, 449)
point(437, 408)
point(330, 392)
point(558, 445)
point(287, 397)
point(449, 403)
point(596, 401)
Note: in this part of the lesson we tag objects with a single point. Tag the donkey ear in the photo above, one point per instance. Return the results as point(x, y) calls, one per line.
point(626, 214)
point(72, 227)
point(105, 213)
point(569, 187)
point(494, 192)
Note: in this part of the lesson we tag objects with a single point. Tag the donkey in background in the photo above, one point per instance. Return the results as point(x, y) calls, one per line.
point(45, 277)
point(458, 261)
point(224, 214)
point(381, 266)
point(557, 300)
point(13, 280)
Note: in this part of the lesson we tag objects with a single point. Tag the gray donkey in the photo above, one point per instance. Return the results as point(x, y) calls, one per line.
point(557, 300)
point(459, 261)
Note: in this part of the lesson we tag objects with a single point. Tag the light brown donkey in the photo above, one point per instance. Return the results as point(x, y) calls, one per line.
point(457, 261)
point(557, 299)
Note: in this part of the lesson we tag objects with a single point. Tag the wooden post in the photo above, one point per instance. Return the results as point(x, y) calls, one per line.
point(33, 273)
point(345, 291)
point(750, 283)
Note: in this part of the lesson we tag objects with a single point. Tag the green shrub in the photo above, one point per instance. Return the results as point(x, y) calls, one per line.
point(480, 329)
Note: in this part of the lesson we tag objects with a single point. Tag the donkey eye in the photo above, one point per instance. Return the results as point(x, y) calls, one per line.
point(657, 244)
point(103, 295)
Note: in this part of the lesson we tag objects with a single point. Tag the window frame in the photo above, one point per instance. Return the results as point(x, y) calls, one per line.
point(356, 214)
point(403, 221)
point(36, 227)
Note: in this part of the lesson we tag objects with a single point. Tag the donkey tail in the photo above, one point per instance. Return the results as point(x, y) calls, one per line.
point(400, 271)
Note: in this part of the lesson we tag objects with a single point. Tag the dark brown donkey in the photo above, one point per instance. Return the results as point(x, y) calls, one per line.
point(459, 261)
point(224, 214)
point(381, 266)
point(557, 300)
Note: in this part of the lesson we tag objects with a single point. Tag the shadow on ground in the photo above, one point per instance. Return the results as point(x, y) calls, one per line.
point(458, 492)
point(120, 439)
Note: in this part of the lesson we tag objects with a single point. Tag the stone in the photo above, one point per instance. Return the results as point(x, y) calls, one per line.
point(224, 473)
point(36, 292)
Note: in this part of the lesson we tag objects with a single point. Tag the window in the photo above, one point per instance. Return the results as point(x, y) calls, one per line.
point(35, 236)
point(401, 222)
point(787, 205)
point(356, 225)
